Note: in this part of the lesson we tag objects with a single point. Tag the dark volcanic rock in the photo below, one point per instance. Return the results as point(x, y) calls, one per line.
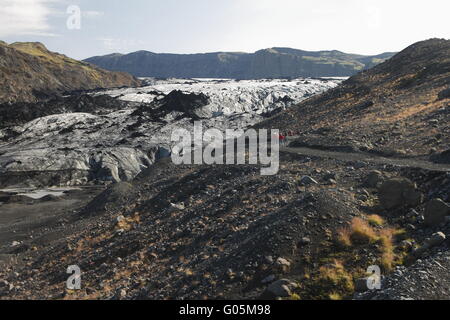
point(435, 212)
point(399, 192)
point(176, 101)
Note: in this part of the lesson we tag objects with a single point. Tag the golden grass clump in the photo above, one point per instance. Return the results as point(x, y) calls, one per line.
point(375, 220)
point(335, 276)
point(335, 296)
point(362, 232)
point(295, 297)
point(344, 237)
point(387, 248)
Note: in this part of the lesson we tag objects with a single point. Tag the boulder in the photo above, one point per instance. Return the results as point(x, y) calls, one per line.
point(373, 179)
point(283, 265)
point(280, 289)
point(435, 212)
point(174, 207)
point(399, 192)
point(304, 242)
point(436, 240)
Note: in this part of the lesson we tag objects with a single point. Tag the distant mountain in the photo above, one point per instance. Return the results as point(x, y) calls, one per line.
point(268, 63)
point(28, 72)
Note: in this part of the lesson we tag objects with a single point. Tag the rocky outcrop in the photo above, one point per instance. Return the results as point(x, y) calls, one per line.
point(187, 104)
point(29, 72)
point(279, 289)
point(263, 64)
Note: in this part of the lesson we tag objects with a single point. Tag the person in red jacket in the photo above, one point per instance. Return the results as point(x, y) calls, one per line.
point(282, 139)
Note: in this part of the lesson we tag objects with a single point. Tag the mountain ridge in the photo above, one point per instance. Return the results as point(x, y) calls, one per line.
point(276, 62)
point(30, 72)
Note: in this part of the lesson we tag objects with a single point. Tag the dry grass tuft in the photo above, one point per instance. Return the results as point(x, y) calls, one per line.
point(295, 297)
point(344, 237)
point(376, 221)
point(335, 296)
point(387, 248)
point(335, 276)
point(362, 232)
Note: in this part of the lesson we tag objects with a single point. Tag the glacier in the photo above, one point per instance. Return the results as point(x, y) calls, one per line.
point(71, 149)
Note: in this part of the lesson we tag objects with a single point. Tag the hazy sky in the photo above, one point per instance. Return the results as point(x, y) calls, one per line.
point(190, 26)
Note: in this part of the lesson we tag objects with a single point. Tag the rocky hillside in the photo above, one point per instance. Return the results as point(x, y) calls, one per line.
point(400, 107)
point(29, 72)
point(269, 63)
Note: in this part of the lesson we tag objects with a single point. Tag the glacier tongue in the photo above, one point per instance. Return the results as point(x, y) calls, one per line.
point(79, 148)
point(233, 96)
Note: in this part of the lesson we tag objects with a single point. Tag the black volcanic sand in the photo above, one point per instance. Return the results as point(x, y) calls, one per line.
point(42, 221)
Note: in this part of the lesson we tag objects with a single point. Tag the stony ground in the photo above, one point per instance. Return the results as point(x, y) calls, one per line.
point(227, 232)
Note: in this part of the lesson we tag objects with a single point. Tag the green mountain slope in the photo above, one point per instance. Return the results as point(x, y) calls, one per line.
point(28, 72)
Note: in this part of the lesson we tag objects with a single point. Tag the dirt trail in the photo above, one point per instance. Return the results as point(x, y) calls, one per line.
point(360, 156)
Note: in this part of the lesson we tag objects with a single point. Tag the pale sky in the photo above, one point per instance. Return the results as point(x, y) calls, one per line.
point(192, 26)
